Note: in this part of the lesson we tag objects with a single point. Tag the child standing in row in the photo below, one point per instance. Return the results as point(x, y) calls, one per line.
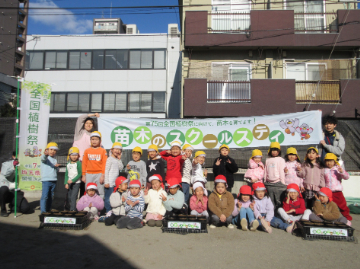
point(112, 169)
point(155, 165)
point(186, 171)
point(333, 175)
point(91, 202)
point(244, 210)
point(137, 166)
point(93, 164)
point(292, 163)
point(224, 165)
point(313, 174)
point(198, 174)
point(117, 201)
point(73, 177)
point(293, 206)
point(174, 161)
point(49, 169)
point(274, 177)
point(199, 201)
point(221, 203)
point(255, 172)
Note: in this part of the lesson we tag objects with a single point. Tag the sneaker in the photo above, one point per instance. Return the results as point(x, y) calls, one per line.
point(4, 214)
point(254, 225)
point(144, 221)
point(101, 219)
point(212, 226)
point(290, 228)
point(348, 223)
point(230, 226)
point(244, 224)
point(266, 226)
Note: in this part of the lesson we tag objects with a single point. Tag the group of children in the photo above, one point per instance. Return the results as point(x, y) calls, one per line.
point(272, 198)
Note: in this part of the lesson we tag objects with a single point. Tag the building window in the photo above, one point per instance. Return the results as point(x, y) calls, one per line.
point(74, 60)
point(116, 59)
point(110, 102)
point(141, 59)
point(159, 59)
point(35, 60)
point(56, 60)
point(98, 60)
point(305, 71)
point(85, 60)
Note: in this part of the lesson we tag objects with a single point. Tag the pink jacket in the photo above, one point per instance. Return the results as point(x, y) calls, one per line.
point(333, 178)
point(96, 201)
point(199, 207)
point(291, 175)
point(313, 177)
point(274, 170)
point(255, 171)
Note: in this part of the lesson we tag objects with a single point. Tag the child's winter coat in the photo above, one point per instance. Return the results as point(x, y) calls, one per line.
point(255, 170)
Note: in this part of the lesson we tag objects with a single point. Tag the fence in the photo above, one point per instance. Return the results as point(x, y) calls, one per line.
point(327, 92)
point(316, 23)
point(228, 92)
point(224, 22)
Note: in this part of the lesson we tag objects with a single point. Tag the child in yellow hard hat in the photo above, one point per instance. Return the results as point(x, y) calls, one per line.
point(137, 165)
point(155, 165)
point(174, 161)
point(255, 172)
point(198, 173)
point(73, 176)
point(292, 162)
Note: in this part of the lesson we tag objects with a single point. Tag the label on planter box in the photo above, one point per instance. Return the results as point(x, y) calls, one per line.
point(184, 225)
point(57, 220)
point(327, 231)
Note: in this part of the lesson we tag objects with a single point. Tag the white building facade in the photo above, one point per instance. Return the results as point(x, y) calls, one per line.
point(127, 75)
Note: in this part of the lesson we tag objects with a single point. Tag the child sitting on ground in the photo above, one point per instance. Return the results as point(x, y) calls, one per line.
point(255, 172)
point(134, 206)
point(274, 177)
point(221, 203)
point(226, 166)
point(155, 165)
point(293, 206)
point(174, 201)
point(137, 166)
point(73, 177)
point(199, 201)
point(197, 171)
point(117, 201)
point(186, 171)
point(324, 208)
point(292, 162)
point(243, 213)
point(91, 202)
point(153, 198)
point(112, 169)
point(264, 211)
point(174, 161)
point(333, 174)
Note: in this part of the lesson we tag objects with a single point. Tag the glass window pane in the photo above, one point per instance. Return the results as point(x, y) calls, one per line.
point(110, 59)
point(72, 102)
point(135, 59)
point(295, 71)
point(84, 102)
point(74, 60)
point(85, 60)
point(295, 5)
point(313, 72)
point(98, 61)
point(35, 60)
point(109, 101)
point(50, 58)
point(61, 60)
point(314, 7)
point(59, 102)
point(52, 102)
point(159, 59)
point(239, 74)
point(158, 102)
point(96, 102)
point(121, 102)
point(122, 59)
point(146, 59)
point(134, 102)
point(146, 102)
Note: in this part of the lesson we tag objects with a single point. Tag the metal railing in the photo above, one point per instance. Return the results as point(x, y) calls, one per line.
point(327, 92)
point(228, 92)
point(226, 22)
point(316, 23)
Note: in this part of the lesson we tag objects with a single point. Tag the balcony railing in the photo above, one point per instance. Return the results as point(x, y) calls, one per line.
point(225, 22)
point(327, 92)
point(316, 23)
point(228, 92)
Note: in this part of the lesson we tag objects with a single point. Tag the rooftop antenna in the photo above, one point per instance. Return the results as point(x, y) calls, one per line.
point(110, 9)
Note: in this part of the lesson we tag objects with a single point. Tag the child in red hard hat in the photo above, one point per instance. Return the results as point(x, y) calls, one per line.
point(293, 205)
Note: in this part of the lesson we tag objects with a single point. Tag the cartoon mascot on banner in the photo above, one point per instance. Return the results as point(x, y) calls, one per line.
point(304, 130)
point(290, 126)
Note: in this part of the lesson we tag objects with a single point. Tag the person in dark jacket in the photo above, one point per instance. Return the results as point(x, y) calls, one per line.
point(225, 165)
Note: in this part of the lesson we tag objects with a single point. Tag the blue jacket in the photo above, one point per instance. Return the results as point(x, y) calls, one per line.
point(48, 168)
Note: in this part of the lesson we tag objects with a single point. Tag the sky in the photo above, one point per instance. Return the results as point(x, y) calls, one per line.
point(65, 21)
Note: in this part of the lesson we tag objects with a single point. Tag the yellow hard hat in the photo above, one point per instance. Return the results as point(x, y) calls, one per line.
point(224, 146)
point(117, 145)
point(200, 153)
point(96, 133)
point(274, 145)
point(256, 153)
point(73, 150)
point(292, 151)
point(316, 150)
point(137, 149)
point(331, 156)
point(187, 146)
point(52, 145)
point(153, 148)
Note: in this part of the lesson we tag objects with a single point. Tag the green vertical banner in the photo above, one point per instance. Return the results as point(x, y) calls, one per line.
point(34, 124)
